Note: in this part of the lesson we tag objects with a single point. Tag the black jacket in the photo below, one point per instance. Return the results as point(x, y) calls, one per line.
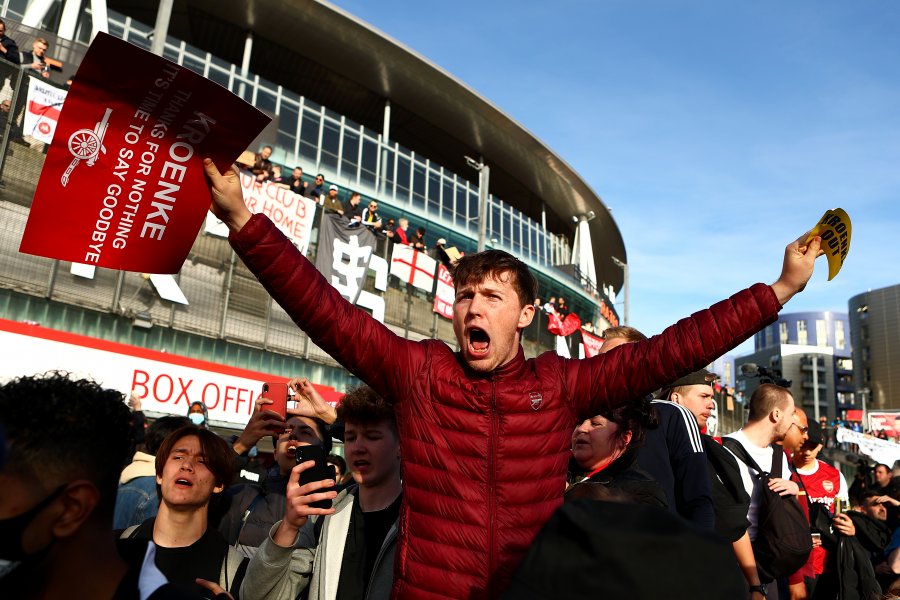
point(622, 480)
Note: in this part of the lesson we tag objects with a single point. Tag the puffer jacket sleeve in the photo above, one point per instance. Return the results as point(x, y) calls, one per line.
point(351, 336)
point(635, 370)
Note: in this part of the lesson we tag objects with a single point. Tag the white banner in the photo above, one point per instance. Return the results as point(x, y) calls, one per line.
point(880, 450)
point(413, 267)
point(167, 383)
point(292, 213)
point(42, 110)
point(444, 294)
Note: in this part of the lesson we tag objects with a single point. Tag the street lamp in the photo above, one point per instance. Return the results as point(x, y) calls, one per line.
point(484, 177)
point(624, 267)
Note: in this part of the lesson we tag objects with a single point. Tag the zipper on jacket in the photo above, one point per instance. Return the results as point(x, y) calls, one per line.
point(492, 480)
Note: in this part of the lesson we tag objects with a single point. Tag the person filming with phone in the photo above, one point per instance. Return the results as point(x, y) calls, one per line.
point(346, 550)
point(252, 508)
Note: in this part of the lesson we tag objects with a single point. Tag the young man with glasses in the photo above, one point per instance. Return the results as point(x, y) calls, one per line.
point(370, 216)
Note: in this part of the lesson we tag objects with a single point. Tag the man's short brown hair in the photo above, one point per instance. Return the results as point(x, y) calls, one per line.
point(492, 264)
point(219, 455)
point(765, 399)
point(629, 334)
point(364, 406)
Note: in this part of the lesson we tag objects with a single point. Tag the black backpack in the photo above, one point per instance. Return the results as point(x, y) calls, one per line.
point(783, 541)
point(729, 496)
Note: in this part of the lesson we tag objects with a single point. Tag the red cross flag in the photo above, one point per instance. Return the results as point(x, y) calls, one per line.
point(413, 267)
point(444, 294)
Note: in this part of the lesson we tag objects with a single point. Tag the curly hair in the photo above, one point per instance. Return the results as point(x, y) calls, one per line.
point(59, 428)
point(363, 405)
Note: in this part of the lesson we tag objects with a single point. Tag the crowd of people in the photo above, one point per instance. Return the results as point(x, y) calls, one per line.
point(473, 474)
point(353, 208)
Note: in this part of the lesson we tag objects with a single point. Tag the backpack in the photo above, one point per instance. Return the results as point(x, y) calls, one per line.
point(729, 496)
point(783, 541)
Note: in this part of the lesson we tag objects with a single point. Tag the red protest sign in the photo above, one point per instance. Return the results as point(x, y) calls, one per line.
point(123, 184)
point(591, 342)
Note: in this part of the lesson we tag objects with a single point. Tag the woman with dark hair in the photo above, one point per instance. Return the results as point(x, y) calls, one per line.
point(605, 449)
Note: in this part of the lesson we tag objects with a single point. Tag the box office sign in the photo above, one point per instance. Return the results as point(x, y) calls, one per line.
point(123, 185)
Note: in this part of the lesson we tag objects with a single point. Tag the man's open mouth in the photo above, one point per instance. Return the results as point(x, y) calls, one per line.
point(184, 482)
point(479, 341)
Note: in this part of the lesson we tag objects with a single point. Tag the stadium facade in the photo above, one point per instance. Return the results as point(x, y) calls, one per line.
point(347, 101)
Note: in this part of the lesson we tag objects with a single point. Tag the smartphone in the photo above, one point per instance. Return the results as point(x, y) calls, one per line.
point(838, 506)
point(278, 394)
point(817, 537)
point(321, 470)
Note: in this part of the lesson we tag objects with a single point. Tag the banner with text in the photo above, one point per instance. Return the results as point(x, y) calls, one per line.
point(292, 213)
point(123, 185)
point(344, 255)
point(444, 294)
point(168, 383)
point(45, 102)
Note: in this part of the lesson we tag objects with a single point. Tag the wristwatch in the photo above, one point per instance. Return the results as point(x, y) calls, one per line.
point(759, 588)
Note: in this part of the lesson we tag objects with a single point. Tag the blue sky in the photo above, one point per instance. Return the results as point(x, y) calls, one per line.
point(716, 131)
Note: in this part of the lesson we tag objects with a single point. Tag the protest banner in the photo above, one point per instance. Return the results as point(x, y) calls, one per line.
point(44, 104)
point(444, 294)
point(123, 186)
point(887, 421)
point(835, 229)
point(292, 213)
point(591, 343)
point(344, 255)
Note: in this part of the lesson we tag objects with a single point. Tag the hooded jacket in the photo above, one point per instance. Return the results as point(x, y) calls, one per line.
point(485, 454)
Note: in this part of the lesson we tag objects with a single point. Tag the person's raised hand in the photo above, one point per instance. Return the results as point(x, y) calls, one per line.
point(799, 261)
point(227, 199)
point(298, 498)
point(309, 402)
point(262, 423)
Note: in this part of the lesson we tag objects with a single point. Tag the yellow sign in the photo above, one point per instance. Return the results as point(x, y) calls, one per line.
point(834, 228)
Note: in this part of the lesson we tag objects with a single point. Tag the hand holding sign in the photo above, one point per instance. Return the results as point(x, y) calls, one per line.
point(799, 261)
point(834, 228)
point(227, 200)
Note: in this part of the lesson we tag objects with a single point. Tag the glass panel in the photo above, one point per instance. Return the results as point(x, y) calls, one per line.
point(434, 192)
point(350, 154)
point(418, 197)
point(309, 137)
point(265, 100)
point(330, 142)
point(403, 169)
point(447, 211)
point(219, 76)
point(387, 169)
point(494, 224)
point(473, 210)
point(369, 161)
point(194, 63)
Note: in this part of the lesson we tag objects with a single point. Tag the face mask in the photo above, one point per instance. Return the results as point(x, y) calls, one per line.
point(12, 528)
point(196, 418)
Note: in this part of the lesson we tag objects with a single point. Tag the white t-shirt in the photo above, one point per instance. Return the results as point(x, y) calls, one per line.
point(763, 458)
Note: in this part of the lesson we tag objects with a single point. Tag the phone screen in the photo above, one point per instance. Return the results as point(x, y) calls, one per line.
point(322, 470)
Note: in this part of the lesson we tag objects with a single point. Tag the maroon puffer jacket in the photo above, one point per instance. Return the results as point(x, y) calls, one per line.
point(484, 457)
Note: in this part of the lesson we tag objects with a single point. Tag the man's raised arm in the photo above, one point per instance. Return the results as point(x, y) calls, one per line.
point(364, 346)
point(634, 370)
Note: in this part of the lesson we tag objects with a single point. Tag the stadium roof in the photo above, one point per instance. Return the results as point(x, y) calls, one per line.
point(339, 61)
